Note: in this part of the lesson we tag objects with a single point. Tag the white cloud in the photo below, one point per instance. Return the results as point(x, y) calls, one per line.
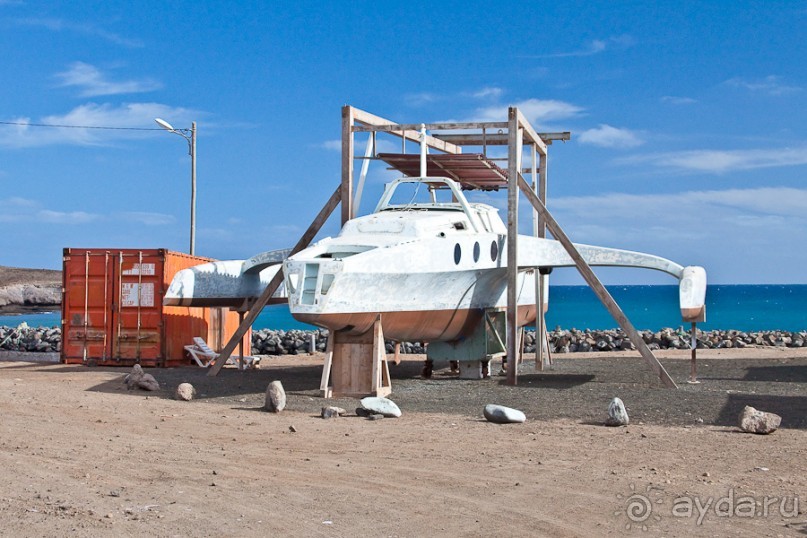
point(488, 93)
point(607, 136)
point(16, 201)
point(722, 161)
point(17, 209)
point(420, 99)
point(383, 145)
point(595, 46)
point(537, 111)
point(59, 25)
point(286, 230)
point(93, 82)
point(765, 201)
point(772, 85)
point(64, 217)
point(739, 235)
point(92, 118)
point(673, 100)
point(148, 219)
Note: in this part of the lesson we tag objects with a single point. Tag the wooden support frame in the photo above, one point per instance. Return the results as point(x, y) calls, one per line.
point(270, 289)
point(597, 286)
point(514, 168)
point(356, 365)
point(519, 132)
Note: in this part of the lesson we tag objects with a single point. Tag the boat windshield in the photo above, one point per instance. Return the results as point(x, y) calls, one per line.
point(407, 195)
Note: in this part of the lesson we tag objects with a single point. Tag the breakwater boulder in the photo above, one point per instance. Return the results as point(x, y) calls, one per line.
point(294, 342)
point(270, 342)
point(35, 339)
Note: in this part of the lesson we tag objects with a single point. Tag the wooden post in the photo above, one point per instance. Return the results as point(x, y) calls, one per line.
point(693, 370)
point(263, 299)
point(347, 163)
point(596, 286)
point(325, 381)
point(240, 342)
point(539, 291)
point(514, 167)
point(542, 195)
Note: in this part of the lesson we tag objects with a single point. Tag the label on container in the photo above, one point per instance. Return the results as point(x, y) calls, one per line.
point(132, 291)
point(141, 269)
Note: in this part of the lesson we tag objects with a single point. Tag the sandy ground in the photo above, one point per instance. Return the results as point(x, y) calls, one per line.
point(83, 456)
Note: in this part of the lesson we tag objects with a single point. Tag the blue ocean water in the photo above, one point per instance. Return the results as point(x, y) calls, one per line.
point(741, 307)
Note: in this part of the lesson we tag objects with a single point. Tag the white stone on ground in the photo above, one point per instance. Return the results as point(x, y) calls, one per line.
point(381, 406)
point(332, 411)
point(503, 415)
point(185, 391)
point(617, 414)
point(755, 421)
point(275, 397)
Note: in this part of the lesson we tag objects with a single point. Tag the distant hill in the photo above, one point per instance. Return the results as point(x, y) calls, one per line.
point(29, 290)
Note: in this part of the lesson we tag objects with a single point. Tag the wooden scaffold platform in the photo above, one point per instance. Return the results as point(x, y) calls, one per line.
point(358, 365)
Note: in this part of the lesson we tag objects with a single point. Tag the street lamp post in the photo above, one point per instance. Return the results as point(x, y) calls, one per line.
point(192, 152)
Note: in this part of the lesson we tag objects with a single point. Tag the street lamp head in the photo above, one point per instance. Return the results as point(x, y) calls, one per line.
point(164, 124)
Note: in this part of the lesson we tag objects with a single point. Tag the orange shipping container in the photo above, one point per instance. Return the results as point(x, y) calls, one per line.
point(113, 313)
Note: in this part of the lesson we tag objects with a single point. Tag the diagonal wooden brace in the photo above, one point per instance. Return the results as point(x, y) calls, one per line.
point(594, 282)
point(263, 299)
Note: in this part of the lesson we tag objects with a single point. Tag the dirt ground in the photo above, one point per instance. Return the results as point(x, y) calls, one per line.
point(82, 455)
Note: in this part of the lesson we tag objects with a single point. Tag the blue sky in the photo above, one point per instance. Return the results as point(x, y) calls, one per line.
point(687, 119)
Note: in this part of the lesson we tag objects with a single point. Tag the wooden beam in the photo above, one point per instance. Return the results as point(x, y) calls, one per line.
point(445, 126)
point(495, 139)
point(347, 163)
point(596, 285)
point(270, 289)
point(406, 131)
point(409, 134)
point(530, 133)
point(514, 165)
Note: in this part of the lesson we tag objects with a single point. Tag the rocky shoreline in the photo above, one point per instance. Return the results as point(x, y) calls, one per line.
point(293, 342)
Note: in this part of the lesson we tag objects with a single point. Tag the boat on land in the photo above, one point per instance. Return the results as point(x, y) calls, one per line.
point(427, 261)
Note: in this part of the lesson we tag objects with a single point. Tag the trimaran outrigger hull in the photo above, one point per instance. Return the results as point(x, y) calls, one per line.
point(430, 270)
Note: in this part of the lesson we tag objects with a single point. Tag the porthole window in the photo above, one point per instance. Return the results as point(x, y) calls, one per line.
point(476, 252)
point(494, 250)
point(457, 253)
